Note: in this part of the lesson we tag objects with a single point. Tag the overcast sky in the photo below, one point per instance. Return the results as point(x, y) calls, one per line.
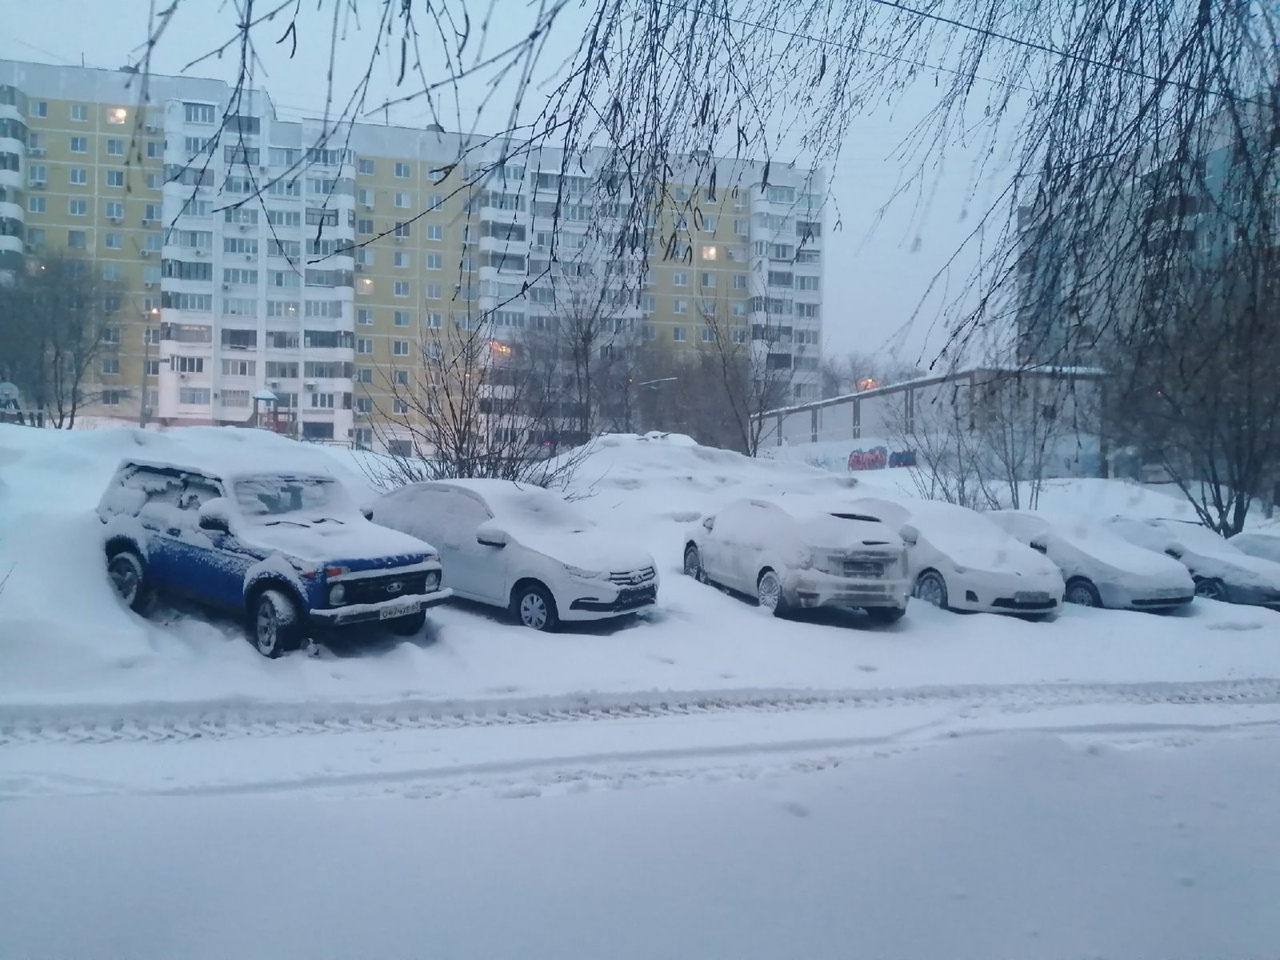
point(873, 283)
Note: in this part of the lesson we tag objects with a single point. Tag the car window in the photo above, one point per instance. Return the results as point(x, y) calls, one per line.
point(269, 498)
point(197, 492)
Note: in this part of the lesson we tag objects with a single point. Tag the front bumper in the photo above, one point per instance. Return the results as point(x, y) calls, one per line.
point(402, 606)
point(627, 600)
point(813, 589)
point(1253, 596)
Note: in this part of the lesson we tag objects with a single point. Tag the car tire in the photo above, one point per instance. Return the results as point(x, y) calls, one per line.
point(769, 593)
point(408, 626)
point(1211, 588)
point(931, 588)
point(1082, 591)
point(128, 574)
point(275, 623)
point(693, 563)
point(533, 606)
point(885, 614)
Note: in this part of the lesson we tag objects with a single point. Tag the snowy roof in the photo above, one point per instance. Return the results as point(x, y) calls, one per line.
point(227, 452)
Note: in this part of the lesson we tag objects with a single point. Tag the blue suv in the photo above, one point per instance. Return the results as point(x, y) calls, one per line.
point(288, 551)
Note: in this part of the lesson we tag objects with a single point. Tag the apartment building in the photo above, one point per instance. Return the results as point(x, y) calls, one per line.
point(255, 255)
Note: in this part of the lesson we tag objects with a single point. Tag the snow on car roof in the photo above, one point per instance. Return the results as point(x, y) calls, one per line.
point(520, 502)
point(228, 453)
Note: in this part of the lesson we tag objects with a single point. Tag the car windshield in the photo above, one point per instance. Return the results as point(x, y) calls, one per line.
point(295, 499)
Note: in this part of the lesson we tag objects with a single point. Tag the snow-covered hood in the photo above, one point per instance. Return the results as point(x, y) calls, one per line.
point(588, 549)
point(352, 542)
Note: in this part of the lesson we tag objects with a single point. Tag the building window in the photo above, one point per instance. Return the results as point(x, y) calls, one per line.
point(79, 113)
point(681, 306)
point(112, 272)
point(188, 364)
point(435, 231)
point(198, 112)
point(434, 321)
point(322, 401)
point(709, 281)
point(710, 251)
point(364, 317)
point(111, 367)
point(400, 288)
point(401, 258)
point(40, 108)
point(680, 279)
point(79, 144)
point(365, 167)
point(678, 334)
point(239, 368)
point(36, 205)
point(37, 174)
point(434, 291)
point(115, 148)
point(364, 228)
point(708, 335)
point(153, 368)
point(115, 178)
point(364, 345)
point(111, 398)
point(76, 239)
point(193, 396)
point(78, 208)
point(401, 318)
point(402, 201)
point(235, 398)
point(400, 348)
point(115, 210)
point(78, 176)
point(402, 171)
point(435, 261)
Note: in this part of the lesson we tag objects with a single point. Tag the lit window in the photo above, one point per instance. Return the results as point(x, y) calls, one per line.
point(117, 115)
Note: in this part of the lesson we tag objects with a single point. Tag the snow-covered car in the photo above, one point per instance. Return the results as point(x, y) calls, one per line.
point(1220, 570)
point(960, 560)
point(522, 548)
point(1264, 545)
point(1101, 569)
point(801, 557)
point(288, 551)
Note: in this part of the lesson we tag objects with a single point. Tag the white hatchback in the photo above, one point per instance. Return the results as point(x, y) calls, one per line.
point(522, 548)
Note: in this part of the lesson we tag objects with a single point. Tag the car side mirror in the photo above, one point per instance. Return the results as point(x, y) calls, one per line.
point(491, 536)
point(215, 516)
point(1039, 547)
point(910, 535)
point(367, 512)
point(708, 523)
point(1176, 554)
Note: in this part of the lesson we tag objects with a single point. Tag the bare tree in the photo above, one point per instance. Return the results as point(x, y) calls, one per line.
point(52, 331)
point(843, 374)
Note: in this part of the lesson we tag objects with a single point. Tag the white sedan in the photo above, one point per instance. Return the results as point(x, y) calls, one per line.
point(1101, 568)
point(960, 560)
point(522, 548)
point(1220, 571)
point(801, 556)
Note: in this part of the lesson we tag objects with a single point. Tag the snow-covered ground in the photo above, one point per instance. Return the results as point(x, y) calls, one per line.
point(950, 786)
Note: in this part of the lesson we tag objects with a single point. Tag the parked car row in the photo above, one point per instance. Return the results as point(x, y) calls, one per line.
point(291, 554)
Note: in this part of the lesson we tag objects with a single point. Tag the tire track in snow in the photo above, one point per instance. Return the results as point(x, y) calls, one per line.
point(167, 723)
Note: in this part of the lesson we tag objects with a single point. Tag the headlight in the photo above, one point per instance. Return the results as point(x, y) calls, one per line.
point(337, 593)
point(583, 574)
point(433, 581)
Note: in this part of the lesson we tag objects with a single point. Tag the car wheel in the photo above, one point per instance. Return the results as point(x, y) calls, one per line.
point(1211, 588)
point(693, 564)
point(535, 608)
point(408, 626)
point(275, 624)
point(1081, 591)
point(769, 593)
point(931, 588)
point(885, 614)
point(128, 573)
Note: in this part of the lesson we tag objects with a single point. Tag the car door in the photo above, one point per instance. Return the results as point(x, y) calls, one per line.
point(731, 548)
point(217, 561)
point(448, 518)
point(483, 567)
point(161, 519)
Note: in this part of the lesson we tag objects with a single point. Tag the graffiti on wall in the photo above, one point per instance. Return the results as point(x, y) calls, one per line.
point(878, 458)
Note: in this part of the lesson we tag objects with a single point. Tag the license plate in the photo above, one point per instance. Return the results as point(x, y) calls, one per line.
point(863, 568)
point(398, 610)
point(1031, 596)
